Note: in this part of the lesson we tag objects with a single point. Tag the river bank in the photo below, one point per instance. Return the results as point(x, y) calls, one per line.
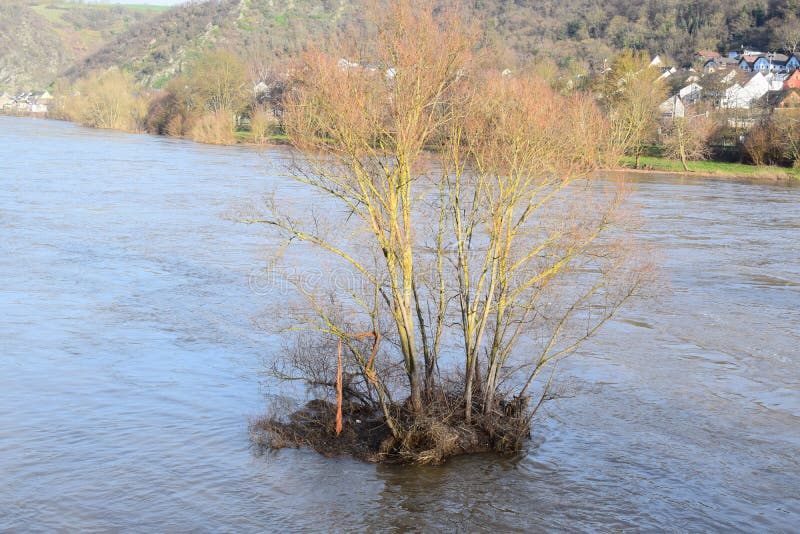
point(647, 165)
point(712, 169)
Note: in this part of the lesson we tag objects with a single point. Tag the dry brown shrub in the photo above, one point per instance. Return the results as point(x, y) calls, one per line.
point(178, 126)
point(109, 100)
point(757, 144)
point(688, 139)
point(214, 128)
point(262, 125)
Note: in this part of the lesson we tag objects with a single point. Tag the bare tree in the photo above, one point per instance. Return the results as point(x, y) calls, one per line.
point(496, 238)
point(687, 138)
point(786, 128)
point(108, 99)
point(632, 91)
point(785, 33)
point(758, 143)
point(218, 80)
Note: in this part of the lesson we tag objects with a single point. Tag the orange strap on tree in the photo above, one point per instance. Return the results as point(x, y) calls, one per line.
point(369, 371)
point(339, 392)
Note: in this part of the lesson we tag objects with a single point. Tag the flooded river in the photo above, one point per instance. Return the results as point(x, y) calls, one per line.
point(130, 362)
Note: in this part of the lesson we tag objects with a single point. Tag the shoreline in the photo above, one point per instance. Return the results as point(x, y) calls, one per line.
point(711, 169)
point(764, 174)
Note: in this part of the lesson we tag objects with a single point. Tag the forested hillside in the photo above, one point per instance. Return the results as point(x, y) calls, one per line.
point(589, 30)
point(577, 34)
point(157, 50)
point(39, 39)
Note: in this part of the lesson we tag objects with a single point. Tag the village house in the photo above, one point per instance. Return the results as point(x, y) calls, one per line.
point(770, 62)
point(23, 103)
point(703, 56)
point(748, 61)
point(789, 100)
point(40, 101)
point(672, 108)
point(42, 97)
point(691, 93)
point(742, 96)
point(775, 80)
point(719, 63)
point(667, 73)
point(792, 81)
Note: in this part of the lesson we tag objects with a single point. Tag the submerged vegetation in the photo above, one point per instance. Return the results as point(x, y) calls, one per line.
point(475, 269)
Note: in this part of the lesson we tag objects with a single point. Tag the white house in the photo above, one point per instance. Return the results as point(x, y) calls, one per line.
point(672, 108)
point(691, 93)
point(43, 97)
point(729, 77)
point(667, 73)
point(775, 81)
point(742, 96)
point(345, 64)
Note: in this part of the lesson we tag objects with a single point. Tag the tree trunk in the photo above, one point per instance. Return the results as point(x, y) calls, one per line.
point(683, 160)
point(491, 389)
point(409, 354)
point(468, 388)
point(416, 392)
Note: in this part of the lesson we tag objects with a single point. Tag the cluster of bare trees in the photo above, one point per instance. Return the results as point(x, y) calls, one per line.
point(689, 138)
point(630, 90)
point(775, 140)
point(109, 100)
point(468, 213)
point(205, 102)
point(209, 101)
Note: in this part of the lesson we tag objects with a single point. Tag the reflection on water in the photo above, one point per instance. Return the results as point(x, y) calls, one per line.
point(130, 364)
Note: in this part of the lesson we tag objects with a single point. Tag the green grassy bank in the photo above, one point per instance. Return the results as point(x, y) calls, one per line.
point(712, 168)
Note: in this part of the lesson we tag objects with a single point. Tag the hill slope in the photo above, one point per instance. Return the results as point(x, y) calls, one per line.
point(578, 34)
point(38, 40)
point(156, 50)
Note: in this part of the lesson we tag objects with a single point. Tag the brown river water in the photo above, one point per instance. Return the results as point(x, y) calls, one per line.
point(130, 363)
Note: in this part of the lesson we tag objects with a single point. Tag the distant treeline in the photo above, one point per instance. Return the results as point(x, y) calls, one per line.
point(587, 31)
